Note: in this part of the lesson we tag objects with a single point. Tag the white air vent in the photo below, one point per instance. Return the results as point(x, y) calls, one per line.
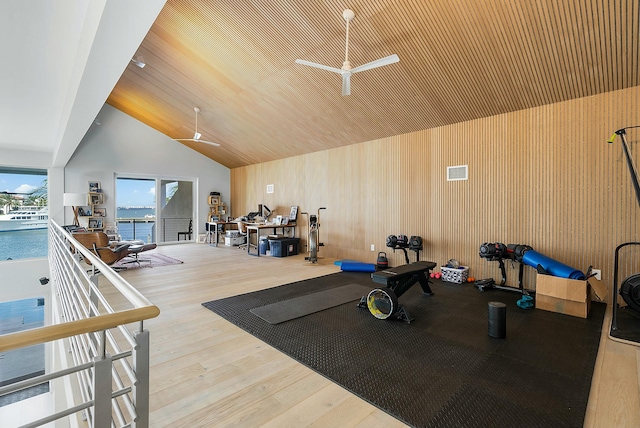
point(457, 173)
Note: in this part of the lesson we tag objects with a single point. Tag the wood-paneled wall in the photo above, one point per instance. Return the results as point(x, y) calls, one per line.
point(544, 177)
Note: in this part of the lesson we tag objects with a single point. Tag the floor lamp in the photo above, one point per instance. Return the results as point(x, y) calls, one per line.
point(74, 200)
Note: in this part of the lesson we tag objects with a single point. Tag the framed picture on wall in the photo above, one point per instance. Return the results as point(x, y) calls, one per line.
point(94, 187)
point(95, 223)
point(97, 199)
point(293, 214)
point(100, 212)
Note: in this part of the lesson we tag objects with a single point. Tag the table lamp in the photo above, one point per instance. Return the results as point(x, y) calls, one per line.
point(74, 200)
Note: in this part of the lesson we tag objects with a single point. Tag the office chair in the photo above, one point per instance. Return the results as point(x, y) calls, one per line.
point(242, 229)
point(187, 233)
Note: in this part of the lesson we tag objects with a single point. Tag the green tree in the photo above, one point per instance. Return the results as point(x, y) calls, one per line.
point(40, 195)
point(5, 203)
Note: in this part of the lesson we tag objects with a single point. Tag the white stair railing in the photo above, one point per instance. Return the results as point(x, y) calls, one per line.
point(101, 329)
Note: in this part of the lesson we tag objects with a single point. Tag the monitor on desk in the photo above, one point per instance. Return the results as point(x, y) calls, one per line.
point(265, 212)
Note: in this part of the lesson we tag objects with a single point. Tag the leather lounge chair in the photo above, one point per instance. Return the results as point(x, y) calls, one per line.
point(98, 244)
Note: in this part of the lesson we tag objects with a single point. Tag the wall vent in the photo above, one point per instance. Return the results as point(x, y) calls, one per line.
point(457, 173)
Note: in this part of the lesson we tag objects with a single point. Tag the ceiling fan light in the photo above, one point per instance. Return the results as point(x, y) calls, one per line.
point(197, 136)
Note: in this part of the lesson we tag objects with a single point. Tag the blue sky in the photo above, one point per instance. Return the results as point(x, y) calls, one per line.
point(132, 193)
point(20, 183)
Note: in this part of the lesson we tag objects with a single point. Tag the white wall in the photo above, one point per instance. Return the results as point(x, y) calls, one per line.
point(125, 146)
point(21, 279)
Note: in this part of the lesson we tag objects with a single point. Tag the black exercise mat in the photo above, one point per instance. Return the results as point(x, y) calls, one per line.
point(628, 323)
point(297, 307)
point(441, 370)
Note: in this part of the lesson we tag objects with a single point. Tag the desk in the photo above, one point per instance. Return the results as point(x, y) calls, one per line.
point(216, 227)
point(256, 228)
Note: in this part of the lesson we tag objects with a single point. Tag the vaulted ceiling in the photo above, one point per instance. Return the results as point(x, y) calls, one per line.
point(459, 60)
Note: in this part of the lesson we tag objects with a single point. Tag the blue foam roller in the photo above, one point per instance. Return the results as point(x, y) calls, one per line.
point(339, 262)
point(357, 267)
point(554, 267)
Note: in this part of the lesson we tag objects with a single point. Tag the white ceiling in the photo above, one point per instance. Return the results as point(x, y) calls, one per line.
point(60, 61)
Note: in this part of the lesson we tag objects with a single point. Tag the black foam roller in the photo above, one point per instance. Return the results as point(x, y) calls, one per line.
point(497, 320)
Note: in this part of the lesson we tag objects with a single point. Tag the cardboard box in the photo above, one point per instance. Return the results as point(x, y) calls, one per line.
point(563, 295)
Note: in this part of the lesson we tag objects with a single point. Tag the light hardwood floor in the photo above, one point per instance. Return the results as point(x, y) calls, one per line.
point(206, 372)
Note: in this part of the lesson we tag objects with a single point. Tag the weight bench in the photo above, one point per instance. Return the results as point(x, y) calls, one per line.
point(383, 302)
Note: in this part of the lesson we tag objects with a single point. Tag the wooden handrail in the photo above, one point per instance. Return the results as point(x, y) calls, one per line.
point(39, 335)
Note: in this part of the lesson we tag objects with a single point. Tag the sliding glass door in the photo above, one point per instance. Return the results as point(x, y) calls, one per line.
point(136, 209)
point(154, 209)
point(176, 210)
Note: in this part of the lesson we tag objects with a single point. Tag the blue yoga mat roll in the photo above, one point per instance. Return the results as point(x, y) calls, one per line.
point(339, 262)
point(554, 267)
point(357, 267)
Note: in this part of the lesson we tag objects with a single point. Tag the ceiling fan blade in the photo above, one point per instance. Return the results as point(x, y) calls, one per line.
point(377, 63)
point(313, 64)
point(346, 83)
point(211, 143)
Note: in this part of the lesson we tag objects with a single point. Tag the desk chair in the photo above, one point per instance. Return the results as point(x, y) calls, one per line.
point(242, 229)
point(187, 233)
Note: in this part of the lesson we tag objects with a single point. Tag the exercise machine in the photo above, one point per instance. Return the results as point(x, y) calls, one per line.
point(383, 302)
point(314, 235)
point(630, 287)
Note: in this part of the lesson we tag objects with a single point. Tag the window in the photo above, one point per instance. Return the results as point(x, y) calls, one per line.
point(141, 214)
point(136, 208)
point(24, 214)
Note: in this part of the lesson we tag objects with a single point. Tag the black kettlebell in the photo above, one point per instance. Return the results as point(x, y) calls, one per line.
point(383, 262)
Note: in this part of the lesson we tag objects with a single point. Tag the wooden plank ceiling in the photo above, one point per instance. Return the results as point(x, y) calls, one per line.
point(459, 60)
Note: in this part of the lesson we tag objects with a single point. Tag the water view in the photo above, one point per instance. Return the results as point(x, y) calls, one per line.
point(23, 244)
point(129, 224)
point(137, 223)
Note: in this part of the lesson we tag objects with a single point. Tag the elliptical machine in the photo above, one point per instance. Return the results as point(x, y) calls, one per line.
point(314, 236)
